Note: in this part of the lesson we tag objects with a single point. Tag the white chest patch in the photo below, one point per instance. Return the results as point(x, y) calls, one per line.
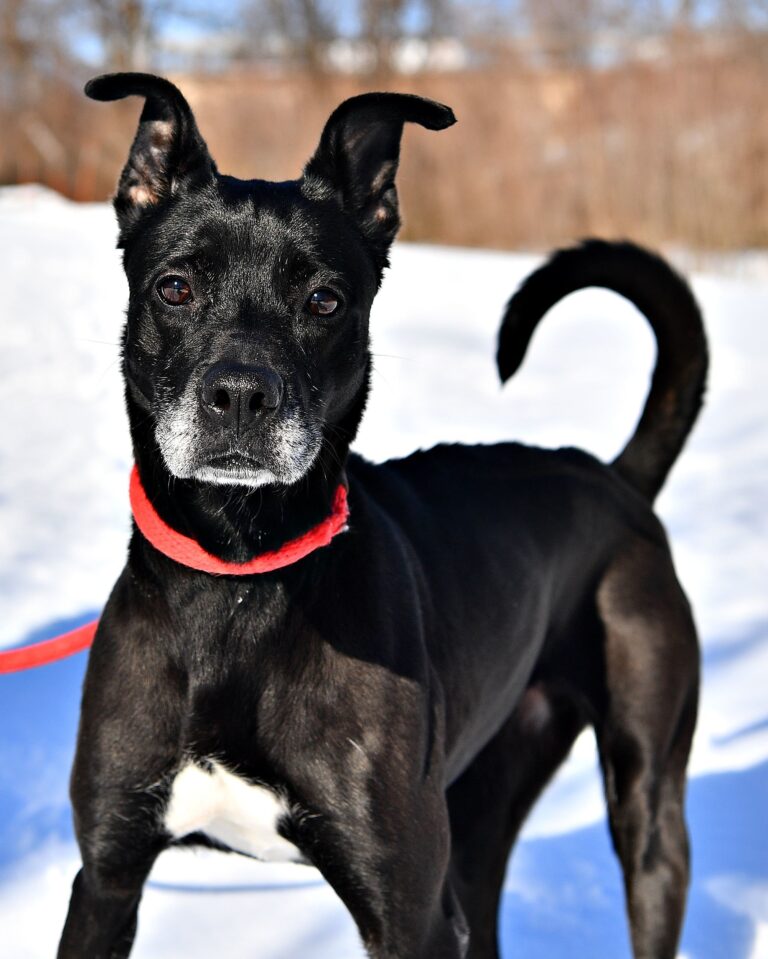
point(230, 810)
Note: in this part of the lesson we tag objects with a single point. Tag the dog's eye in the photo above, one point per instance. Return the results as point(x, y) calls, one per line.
point(323, 303)
point(174, 290)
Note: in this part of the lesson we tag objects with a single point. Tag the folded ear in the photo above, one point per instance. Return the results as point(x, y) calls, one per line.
point(358, 154)
point(167, 151)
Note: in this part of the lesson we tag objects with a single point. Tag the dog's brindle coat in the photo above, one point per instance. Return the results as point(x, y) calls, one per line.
point(397, 700)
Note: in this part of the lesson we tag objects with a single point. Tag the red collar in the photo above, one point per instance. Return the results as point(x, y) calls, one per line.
point(188, 552)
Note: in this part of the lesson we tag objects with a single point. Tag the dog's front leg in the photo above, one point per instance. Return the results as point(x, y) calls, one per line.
point(383, 844)
point(119, 846)
point(102, 916)
point(399, 895)
point(127, 744)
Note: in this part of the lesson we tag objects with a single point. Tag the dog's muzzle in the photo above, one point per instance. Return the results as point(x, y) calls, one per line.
point(237, 424)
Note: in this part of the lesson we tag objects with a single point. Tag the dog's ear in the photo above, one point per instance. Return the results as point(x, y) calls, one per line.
point(358, 154)
point(167, 152)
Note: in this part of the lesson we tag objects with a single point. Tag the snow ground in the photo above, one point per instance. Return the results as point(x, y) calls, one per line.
point(64, 461)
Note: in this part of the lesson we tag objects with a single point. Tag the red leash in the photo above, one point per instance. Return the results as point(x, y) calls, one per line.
point(49, 651)
point(189, 553)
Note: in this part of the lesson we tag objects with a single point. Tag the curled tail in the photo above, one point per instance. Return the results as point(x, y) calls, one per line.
point(663, 296)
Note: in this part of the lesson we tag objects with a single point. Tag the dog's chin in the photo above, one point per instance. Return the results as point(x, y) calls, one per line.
point(235, 476)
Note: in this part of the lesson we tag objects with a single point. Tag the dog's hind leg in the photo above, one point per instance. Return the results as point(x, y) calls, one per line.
point(644, 735)
point(492, 797)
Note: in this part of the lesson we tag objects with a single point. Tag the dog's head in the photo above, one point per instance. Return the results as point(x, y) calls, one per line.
point(246, 345)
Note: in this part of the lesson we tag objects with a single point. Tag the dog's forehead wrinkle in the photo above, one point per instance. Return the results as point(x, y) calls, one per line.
point(273, 207)
point(240, 249)
point(234, 191)
point(284, 210)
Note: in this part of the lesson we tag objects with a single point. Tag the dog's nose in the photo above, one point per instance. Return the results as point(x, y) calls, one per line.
point(235, 395)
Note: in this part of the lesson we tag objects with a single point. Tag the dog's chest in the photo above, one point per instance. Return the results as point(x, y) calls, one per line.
point(230, 810)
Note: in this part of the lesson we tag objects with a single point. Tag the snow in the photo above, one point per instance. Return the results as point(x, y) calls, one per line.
point(64, 462)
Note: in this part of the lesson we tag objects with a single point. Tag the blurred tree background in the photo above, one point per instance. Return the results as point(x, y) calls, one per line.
point(616, 117)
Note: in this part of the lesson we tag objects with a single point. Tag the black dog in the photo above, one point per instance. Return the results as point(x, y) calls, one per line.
point(390, 706)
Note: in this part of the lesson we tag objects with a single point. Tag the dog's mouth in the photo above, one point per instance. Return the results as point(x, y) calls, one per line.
point(234, 468)
point(234, 459)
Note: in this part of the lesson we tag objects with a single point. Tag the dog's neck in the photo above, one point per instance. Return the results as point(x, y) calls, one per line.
point(235, 523)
